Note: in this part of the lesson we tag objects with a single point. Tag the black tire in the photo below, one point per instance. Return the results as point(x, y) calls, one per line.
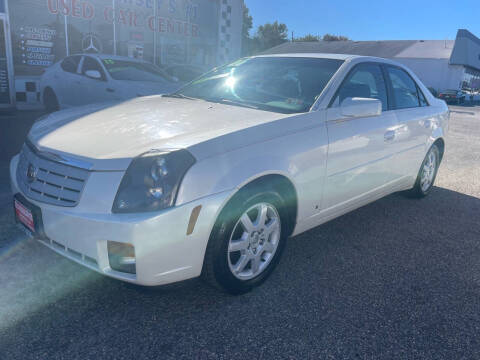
point(417, 191)
point(50, 101)
point(216, 270)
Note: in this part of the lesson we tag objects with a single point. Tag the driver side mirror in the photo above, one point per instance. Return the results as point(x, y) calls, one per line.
point(93, 74)
point(360, 107)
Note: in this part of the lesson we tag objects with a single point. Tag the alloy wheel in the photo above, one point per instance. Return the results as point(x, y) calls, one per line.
point(428, 171)
point(254, 241)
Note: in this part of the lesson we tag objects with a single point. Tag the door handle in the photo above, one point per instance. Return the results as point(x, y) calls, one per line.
point(110, 90)
point(427, 124)
point(389, 135)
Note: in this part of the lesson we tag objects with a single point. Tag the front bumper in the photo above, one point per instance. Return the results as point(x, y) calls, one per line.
point(164, 252)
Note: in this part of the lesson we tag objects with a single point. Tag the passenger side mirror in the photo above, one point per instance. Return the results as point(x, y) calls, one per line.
point(93, 74)
point(360, 107)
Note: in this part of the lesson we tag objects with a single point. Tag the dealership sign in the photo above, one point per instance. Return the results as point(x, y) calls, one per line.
point(36, 45)
point(75, 8)
point(158, 31)
point(129, 16)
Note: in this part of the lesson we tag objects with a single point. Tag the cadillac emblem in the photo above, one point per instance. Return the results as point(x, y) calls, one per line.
point(31, 173)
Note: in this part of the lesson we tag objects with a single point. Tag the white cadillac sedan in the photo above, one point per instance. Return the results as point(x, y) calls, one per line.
point(213, 179)
point(95, 78)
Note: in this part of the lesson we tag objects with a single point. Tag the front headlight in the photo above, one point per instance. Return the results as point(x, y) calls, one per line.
point(151, 181)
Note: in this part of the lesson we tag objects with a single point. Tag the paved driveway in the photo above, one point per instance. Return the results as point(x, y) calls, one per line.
point(399, 278)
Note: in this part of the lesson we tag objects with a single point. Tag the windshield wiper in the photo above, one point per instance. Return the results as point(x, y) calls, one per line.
point(179, 96)
point(233, 102)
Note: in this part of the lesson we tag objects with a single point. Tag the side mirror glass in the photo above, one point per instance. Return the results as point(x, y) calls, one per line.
point(361, 107)
point(93, 74)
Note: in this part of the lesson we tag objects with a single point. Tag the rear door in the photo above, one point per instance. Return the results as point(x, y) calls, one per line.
point(414, 121)
point(359, 148)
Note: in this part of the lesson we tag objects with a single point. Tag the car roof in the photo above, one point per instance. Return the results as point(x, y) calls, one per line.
point(112, 57)
point(315, 55)
point(344, 57)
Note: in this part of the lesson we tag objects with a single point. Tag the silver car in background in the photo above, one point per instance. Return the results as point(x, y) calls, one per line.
point(94, 78)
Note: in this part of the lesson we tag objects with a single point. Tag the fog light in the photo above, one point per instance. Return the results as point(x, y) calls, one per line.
point(122, 257)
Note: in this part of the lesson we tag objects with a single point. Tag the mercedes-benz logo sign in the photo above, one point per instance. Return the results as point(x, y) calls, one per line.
point(31, 173)
point(91, 44)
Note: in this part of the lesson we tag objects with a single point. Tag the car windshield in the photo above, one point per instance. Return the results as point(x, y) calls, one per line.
point(278, 84)
point(134, 71)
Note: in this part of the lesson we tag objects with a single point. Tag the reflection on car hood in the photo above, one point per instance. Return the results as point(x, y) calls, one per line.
point(108, 137)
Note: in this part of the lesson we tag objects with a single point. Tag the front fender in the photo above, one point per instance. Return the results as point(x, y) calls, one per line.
point(228, 173)
point(301, 157)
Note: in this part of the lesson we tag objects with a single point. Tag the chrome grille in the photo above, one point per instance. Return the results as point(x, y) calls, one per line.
point(48, 181)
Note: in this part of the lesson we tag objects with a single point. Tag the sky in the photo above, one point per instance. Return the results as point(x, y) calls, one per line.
point(371, 19)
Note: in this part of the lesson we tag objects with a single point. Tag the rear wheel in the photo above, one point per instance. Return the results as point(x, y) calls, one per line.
point(427, 174)
point(246, 243)
point(50, 101)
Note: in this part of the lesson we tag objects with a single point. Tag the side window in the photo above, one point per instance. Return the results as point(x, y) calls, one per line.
point(365, 81)
point(405, 92)
point(423, 101)
point(70, 64)
point(92, 64)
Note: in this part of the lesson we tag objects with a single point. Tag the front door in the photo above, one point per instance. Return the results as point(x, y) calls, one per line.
point(96, 90)
point(6, 67)
point(359, 148)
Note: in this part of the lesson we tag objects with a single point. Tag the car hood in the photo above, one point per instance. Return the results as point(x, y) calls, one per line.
point(108, 136)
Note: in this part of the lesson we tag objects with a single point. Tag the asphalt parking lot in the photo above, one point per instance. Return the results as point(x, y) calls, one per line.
point(399, 278)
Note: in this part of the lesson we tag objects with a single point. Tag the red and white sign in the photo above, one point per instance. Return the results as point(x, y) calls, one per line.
point(24, 215)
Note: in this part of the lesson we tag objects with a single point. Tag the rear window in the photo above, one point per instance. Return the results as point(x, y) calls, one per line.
point(405, 92)
point(70, 64)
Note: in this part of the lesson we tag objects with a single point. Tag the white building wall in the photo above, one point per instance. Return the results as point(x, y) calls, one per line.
point(435, 73)
point(237, 25)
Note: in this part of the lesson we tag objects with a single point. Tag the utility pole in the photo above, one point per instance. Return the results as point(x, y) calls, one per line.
point(114, 28)
point(293, 39)
point(67, 47)
point(155, 7)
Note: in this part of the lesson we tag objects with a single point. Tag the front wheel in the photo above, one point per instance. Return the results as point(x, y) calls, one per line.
point(246, 243)
point(427, 174)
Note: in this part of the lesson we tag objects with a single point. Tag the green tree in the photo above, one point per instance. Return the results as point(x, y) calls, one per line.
point(308, 37)
point(330, 37)
point(247, 22)
point(270, 35)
